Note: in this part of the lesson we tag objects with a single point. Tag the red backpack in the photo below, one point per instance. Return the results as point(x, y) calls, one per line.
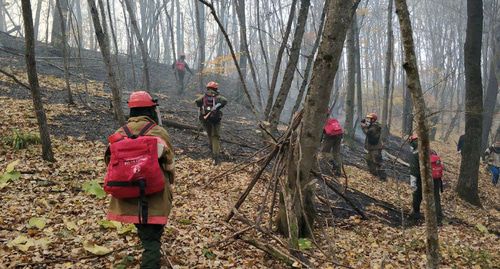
point(180, 65)
point(436, 165)
point(133, 171)
point(333, 127)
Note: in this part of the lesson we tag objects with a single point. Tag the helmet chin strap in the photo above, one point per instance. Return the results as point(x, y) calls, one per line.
point(157, 108)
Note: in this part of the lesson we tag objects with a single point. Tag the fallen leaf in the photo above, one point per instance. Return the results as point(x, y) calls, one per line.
point(96, 249)
point(37, 223)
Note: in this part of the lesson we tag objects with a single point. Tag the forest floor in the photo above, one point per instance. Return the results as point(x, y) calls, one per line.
point(53, 214)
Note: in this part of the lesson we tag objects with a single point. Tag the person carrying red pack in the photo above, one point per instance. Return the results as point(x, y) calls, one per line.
point(332, 140)
point(416, 181)
point(140, 171)
point(180, 67)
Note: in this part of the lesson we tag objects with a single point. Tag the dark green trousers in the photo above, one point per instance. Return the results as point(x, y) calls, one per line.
point(150, 235)
point(417, 198)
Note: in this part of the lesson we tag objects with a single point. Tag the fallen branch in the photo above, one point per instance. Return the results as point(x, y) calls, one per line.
point(196, 129)
point(15, 79)
point(338, 192)
point(229, 238)
point(274, 252)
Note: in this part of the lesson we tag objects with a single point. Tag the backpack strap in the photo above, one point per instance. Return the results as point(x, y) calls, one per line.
point(146, 128)
point(127, 131)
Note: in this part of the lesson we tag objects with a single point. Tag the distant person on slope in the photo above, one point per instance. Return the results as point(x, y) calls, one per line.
point(332, 140)
point(180, 67)
point(416, 181)
point(373, 144)
point(140, 171)
point(210, 115)
point(492, 156)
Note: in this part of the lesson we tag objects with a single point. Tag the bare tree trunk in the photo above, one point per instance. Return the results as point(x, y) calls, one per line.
point(359, 90)
point(200, 30)
point(411, 68)
point(279, 57)
point(47, 24)
point(467, 187)
point(351, 86)
point(37, 17)
point(387, 74)
point(65, 50)
point(240, 9)
point(291, 66)
point(490, 99)
point(59, 19)
point(143, 48)
point(33, 80)
point(298, 192)
point(309, 64)
point(106, 55)
point(2, 17)
point(262, 47)
point(179, 28)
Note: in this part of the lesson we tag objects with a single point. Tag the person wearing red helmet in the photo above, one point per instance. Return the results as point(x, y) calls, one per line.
point(416, 181)
point(210, 115)
point(332, 141)
point(373, 144)
point(149, 213)
point(180, 67)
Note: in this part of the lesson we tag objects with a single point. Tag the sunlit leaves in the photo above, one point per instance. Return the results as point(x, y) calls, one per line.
point(37, 222)
point(10, 174)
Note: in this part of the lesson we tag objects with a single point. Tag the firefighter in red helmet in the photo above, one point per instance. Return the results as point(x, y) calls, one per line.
point(210, 115)
point(150, 212)
point(373, 144)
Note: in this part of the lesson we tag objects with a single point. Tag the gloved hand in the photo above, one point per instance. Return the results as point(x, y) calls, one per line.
point(413, 183)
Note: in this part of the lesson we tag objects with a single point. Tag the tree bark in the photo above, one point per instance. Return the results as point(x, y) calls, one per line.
point(279, 57)
point(29, 36)
point(106, 55)
point(291, 66)
point(387, 74)
point(309, 64)
point(467, 187)
point(414, 87)
point(298, 185)
point(200, 30)
point(37, 17)
point(58, 19)
point(245, 51)
point(64, 46)
point(142, 46)
point(490, 99)
point(351, 86)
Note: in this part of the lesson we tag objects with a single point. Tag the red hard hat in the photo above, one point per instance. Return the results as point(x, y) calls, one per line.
point(413, 137)
point(141, 99)
point(213, 85)
point(372, 116)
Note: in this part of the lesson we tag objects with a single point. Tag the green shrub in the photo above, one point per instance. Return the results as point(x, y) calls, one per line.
point(21, 140)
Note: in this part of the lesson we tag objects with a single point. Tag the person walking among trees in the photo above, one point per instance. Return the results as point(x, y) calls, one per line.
point(140, 161)
point(492, 156)
point(210, 115)
point(180, 67)
point(416, 181)
point(332, 140)
point(373, 144)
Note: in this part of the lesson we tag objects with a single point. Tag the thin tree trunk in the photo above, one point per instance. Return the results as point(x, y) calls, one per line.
point(200, 30)
point(351, 86)
point(106, 55)
point(387, 74)
point(262, 47)
point(33, 80)
point(467, 187)
point(65, 50)
point(411, 68)
point(142, 47)
point(240, 9)
point(490, 99)
point(309, 64)
point(359, 90)
point(279, 57)
point(291, 66)
point(37, 17)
